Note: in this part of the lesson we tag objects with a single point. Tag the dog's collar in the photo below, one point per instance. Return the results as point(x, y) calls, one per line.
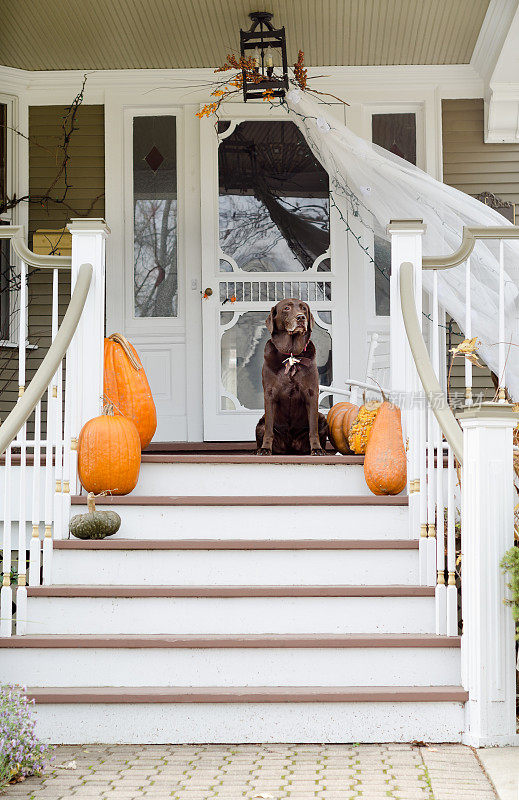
point(292, 360)
point(291, 355)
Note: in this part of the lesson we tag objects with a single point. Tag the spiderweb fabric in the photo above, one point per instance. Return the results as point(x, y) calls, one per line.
point(372, 186)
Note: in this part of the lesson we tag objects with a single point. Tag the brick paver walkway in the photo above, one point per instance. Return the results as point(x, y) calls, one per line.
point(231, 772)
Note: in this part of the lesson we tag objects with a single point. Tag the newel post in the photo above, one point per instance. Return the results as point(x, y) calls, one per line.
point(406, 245)
point(487, 525)
point(84, 376)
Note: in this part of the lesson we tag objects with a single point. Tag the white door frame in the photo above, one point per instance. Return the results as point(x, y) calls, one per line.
point(218, 425)
point(165, 341)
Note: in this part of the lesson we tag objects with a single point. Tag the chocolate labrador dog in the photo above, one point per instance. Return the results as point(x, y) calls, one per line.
point(291, 423)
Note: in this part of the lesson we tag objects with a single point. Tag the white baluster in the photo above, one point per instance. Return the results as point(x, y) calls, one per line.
point(21, 592)
point(35, 545)
point(6, 601)
point(468, 333)
point(57, 426)
point(49, 491)
point(431, 441)
point(437, 558)
point(422, 555)
point(502, 334)
point(452, 591)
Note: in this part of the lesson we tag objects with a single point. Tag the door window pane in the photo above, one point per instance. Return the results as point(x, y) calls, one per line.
point(155, 216)
point(242, 348)
point(273, 199)
point(396, 133)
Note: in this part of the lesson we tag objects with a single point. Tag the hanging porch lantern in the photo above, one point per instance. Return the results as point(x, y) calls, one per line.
point(267, 46)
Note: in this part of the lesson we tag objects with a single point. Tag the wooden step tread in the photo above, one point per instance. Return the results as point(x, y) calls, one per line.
point(229, 591)
point(232, 641)
point(254, 500)
point(247, 458)
point(250, 694)
point(236, 544)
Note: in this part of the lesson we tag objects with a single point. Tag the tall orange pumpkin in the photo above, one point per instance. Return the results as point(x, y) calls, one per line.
point(340, 418)
point(127, 388)
point(385, 463)
point(109, 454)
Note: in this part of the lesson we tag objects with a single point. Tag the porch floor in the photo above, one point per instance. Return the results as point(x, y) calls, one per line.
point(227, 772)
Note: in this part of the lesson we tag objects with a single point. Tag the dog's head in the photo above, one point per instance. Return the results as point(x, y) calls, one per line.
point(290, 316)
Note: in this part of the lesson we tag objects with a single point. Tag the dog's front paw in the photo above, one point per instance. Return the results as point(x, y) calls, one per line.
point(317, 451)
point(264, 451)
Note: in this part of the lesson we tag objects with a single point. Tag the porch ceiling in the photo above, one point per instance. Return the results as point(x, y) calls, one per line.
point(131, 34)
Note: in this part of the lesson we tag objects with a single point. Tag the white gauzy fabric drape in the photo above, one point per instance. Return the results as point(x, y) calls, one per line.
point(372, 186)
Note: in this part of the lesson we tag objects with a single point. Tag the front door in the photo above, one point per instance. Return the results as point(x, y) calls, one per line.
point(267, 233)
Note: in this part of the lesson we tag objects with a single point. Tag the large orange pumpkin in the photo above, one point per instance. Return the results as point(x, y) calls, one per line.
point(385, 463)
point(109, 454)
point(127, 388)
point(340, 418)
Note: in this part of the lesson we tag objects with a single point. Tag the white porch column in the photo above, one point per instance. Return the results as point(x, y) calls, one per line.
point(487, 520)
point(406, 245)
point(84, 363)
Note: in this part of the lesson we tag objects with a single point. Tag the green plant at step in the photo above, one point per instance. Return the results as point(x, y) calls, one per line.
point(21, 753)
point(510, 564)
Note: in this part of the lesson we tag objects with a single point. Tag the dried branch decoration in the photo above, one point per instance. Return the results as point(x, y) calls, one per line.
point(63, 157)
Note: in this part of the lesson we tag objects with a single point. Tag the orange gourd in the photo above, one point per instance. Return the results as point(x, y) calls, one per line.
point(361, 427)
point(109, 454)
point(127, 388)
point(340, 418)
point(385, 463)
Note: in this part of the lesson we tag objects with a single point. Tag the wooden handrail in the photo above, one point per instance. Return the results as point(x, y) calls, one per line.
point(16, 235)
point(432, 388)
point(470, 234)
point(47, 369)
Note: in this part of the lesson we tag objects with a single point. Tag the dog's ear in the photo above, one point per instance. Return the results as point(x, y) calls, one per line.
point(311, 320)
point(270, 321)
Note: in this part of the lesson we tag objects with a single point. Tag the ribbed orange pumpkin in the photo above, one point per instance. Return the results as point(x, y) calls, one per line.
point(340, 418)
point(385, 464)
point(127, 388)
point(109, 454)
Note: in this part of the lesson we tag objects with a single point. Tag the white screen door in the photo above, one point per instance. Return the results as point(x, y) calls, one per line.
point(266, 235)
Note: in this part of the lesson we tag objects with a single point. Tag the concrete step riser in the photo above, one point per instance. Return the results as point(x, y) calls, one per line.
point(417, 666)
point(241, 567)
point(259, 522)
point(251, 722)
point(245, 479)
point(77, 615)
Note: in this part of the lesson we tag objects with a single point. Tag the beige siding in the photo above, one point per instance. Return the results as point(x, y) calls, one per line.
point(86, 177)
point(468, 163)
point(474, 167)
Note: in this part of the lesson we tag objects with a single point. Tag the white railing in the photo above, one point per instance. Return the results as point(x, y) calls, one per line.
point(460, 479)
point(39, 449)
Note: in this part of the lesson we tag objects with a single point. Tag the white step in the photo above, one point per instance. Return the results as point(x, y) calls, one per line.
point(395, 719)
point(249, 610)
point(236, 517)
point(195, 562)
point(354, 660)
point(226, 475)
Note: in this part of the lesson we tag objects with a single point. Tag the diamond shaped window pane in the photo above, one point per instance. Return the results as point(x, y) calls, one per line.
point(154, 159)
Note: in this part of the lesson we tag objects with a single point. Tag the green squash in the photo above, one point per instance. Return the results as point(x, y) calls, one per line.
point(94, 524)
